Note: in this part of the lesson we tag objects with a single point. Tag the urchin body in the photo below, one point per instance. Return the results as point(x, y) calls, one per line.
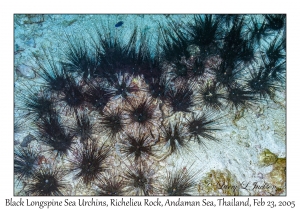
point(89, 162)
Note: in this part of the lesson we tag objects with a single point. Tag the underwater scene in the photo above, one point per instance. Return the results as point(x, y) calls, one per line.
point(149, 105)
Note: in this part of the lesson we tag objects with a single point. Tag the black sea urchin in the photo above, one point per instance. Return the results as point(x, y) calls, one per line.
point(198, 69)
point(158, 88)
point(233, 41)
point(112, 122)
point(277, 72)
point(239, 97)
point(53, 74)
point(97, 96)
point(226, 72)
point(113, 54)
point(73, 94)
point(25, 162)
point(274, 52)
point(275, 21)
point(174, 138)
point(89, 162)
point(138, 147)
point(141, 112)
point(46, 181)
point(228, 19)
point(141, 59)
point(52, 132)
point(180, 182)
point(83, 128)
point(180, 71)
point(131, 57)
point(110, 184)
point(81, 59)
point(257, 31)
point(247, 53)
point(261, 83)
point(37, 105)
point(175, 43)
point(121, 86)
point(202, 126)
point(210, 96)
point(205, 32)
point(180, 99)
point(139, 181)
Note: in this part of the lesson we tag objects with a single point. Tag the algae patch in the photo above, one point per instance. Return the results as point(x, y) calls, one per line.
point(219, 183)
point(267, 158)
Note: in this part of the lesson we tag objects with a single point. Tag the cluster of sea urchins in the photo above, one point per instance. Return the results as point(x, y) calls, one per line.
point(104, 114)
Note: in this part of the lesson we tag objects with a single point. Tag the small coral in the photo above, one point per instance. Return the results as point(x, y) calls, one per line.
point(277, 176)
point(267, 158)
point(219, 183)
